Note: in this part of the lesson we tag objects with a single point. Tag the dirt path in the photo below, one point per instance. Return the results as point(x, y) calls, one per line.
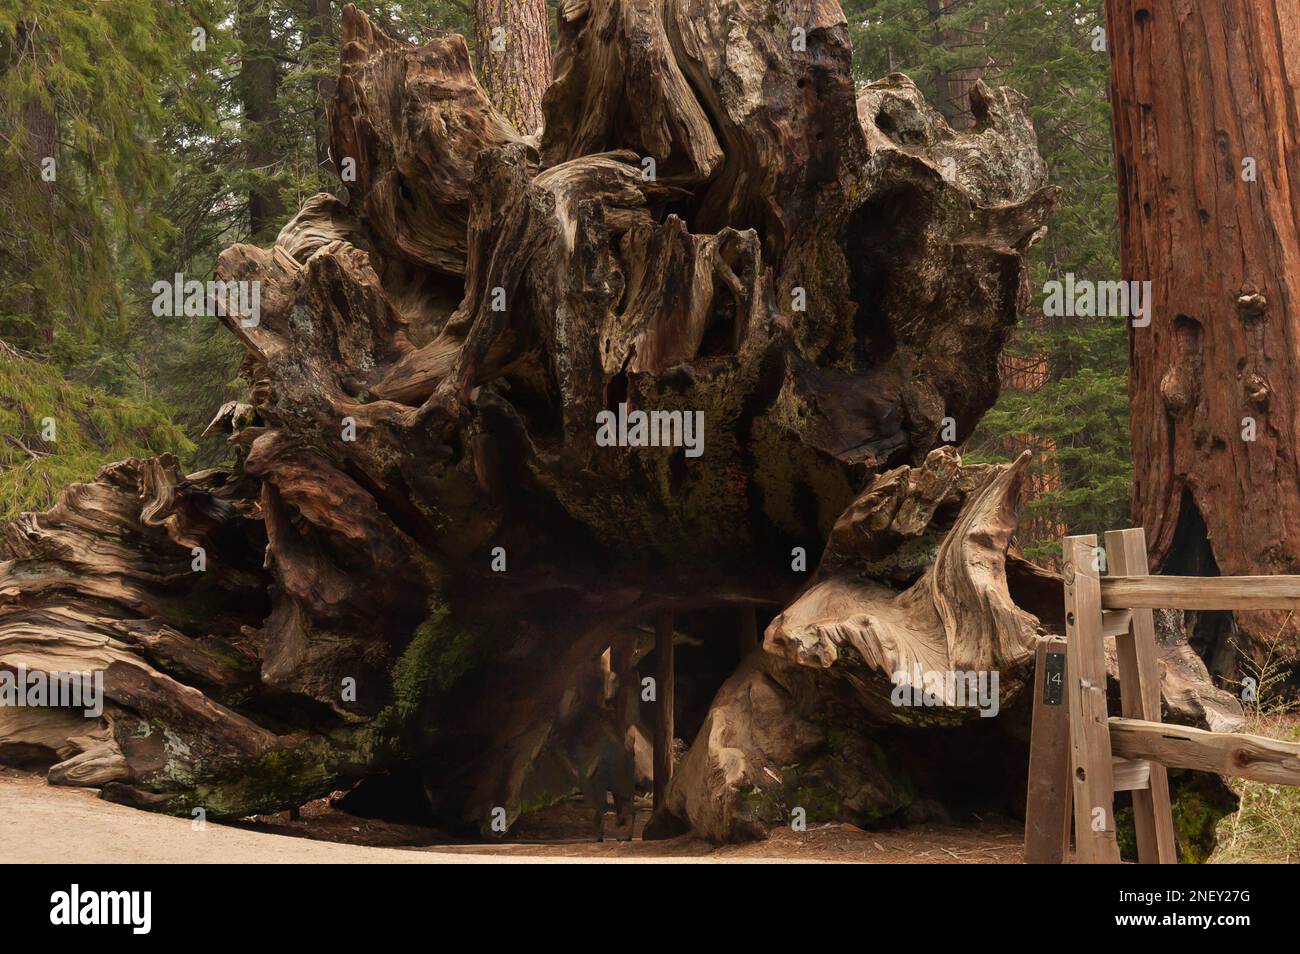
point(40, 823)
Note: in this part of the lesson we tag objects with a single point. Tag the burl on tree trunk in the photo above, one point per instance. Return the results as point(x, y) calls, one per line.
point(433, 532)
point(1212, 219)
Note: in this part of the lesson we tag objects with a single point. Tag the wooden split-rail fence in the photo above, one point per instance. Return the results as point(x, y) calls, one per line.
point(1081, 756)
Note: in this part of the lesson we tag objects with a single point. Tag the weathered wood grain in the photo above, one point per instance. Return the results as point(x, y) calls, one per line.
point(1200, 592)
point(1048, 802)
point(1139, 685)
point(1092, 774)
point(1236, 754)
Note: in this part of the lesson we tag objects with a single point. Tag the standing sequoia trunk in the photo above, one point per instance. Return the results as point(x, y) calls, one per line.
point(259, 85)
point(1207, 116)
point(514, 401)
point(512, 42)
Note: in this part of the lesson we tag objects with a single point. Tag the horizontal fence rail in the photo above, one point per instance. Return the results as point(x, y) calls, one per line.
point(1201, 592)
point(1237, 754)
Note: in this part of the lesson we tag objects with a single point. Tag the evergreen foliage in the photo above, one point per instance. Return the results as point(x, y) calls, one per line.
point(159, 167)
point(86, 429)
point(1052, 51)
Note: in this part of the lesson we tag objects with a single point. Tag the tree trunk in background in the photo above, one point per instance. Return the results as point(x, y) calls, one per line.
point(40, 128)
point(321, 24)
point(1203, 92)
point(952, 87)
point(1028, 374)
point(258, 89)
point(512, 40)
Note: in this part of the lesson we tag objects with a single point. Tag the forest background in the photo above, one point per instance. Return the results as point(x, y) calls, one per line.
point(178, 127)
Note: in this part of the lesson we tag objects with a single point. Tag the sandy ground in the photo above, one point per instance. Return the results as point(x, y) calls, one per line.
point(40, 823)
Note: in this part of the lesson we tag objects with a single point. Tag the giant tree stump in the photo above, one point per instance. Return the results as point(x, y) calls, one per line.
point(423, 546)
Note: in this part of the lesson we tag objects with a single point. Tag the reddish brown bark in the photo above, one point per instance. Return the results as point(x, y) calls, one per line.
point(1199, 88)
point(513, 52)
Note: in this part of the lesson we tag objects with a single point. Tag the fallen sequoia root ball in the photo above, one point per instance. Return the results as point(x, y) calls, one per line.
point(514, 403)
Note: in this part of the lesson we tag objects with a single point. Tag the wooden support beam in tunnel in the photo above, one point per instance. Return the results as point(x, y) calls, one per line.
point(664, 679)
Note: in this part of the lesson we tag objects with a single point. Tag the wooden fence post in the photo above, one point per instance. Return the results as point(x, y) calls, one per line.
point(1047, 805)
point(1139, 689)
point(1092, 776)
